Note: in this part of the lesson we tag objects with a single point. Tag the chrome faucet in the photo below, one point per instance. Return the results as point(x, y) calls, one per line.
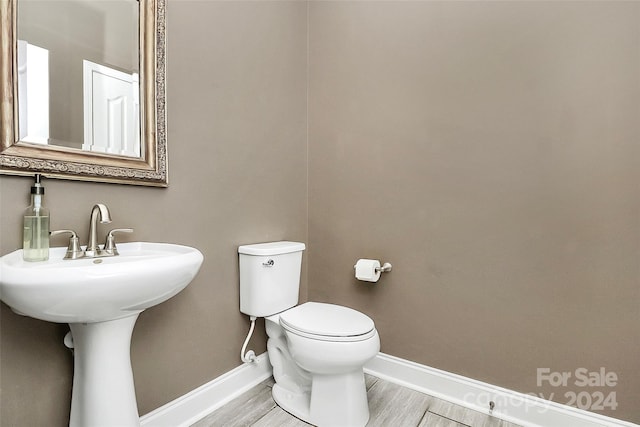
point(101, 211)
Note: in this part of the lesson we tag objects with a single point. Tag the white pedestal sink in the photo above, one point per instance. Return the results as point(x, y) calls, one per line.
point(101, 299)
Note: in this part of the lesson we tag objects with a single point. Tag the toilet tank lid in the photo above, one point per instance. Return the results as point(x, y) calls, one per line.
point(271, 248)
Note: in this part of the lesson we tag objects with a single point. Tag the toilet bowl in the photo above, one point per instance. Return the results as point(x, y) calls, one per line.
point(317, 350)
point(329, 345)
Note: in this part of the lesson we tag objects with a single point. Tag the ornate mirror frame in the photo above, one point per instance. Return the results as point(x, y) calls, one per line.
point(20, 158)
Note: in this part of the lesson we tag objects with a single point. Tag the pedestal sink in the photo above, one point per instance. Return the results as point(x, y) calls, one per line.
point(101, 299)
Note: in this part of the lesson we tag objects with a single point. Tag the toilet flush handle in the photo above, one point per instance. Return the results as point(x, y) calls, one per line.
point(268, 263)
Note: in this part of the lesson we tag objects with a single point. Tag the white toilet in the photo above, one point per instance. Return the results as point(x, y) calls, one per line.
point(317, 350)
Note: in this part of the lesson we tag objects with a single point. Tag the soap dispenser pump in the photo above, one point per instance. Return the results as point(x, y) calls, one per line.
point(35, 242)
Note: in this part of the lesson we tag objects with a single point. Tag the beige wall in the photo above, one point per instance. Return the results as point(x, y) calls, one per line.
point(237, 170)
point(489, 150)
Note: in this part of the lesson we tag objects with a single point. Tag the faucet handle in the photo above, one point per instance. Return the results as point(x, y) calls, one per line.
point(74, 251)
point(110, 244)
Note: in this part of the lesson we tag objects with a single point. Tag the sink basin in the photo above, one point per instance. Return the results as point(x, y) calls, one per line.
point(97, 289)
point(100, 299)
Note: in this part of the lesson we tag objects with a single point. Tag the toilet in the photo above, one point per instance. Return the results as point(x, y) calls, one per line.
point(317, 350)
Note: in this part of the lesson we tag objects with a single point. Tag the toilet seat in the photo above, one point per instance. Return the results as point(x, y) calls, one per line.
point(327, 322)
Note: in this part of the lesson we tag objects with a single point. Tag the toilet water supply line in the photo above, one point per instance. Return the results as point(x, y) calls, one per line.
point(249, 356)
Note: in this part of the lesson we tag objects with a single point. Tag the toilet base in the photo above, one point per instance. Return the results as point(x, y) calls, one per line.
point(334, 401)
point(295, 403)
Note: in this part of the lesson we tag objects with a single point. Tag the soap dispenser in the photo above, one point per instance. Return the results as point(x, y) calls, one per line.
point(35, 242)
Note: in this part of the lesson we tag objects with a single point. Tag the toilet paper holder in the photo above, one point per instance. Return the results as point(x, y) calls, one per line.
point(370, 270)
point(385, 268)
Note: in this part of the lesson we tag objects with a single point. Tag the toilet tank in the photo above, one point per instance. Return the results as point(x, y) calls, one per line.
point(269, 277)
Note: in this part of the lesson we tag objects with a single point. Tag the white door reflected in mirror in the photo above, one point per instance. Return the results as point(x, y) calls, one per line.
point(33, 93)
point(111, 110)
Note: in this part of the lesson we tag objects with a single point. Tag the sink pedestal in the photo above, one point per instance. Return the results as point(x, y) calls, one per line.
point(103, 391)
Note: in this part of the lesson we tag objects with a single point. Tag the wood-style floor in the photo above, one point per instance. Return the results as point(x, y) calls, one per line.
point(390, 405)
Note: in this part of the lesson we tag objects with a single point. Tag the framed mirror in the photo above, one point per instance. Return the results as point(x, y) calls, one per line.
point(82, 90)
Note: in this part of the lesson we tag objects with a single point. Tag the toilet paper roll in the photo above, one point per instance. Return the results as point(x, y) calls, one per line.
point(366, 270)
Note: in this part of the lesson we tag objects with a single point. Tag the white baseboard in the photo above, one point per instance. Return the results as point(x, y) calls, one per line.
point(195, 405)
point(519, 408)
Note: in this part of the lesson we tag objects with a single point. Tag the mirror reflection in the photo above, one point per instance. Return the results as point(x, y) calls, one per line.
point(78, 75)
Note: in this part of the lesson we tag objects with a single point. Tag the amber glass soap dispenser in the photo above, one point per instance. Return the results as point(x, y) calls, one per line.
point(35, 242)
